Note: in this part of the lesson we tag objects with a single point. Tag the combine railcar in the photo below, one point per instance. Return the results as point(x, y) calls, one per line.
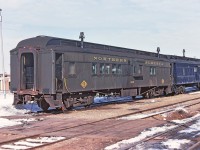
point(65, 73)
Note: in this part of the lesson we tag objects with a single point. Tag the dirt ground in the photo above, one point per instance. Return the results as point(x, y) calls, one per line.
point(91, 130)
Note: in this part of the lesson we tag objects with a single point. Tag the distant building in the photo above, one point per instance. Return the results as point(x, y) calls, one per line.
point(7, 82)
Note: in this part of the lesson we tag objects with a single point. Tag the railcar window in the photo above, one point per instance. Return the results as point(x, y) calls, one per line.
point(184, 71)
point(72, 68)
point(119, 69)
point(134, 69)
point(102, 68)
point(140, 70)
point(195, 69)
point(94, 68)
point(114, 69)
point(152, 70)
point(107, 69)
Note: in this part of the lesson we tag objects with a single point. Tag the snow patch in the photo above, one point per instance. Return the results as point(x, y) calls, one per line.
point(46, 139)
point(193, 93)
point(15, 147)
point(148, 133)
point(186, 120)
point(181, 109)
point(31, 143)
point(175, 143)
point(6, 107)
point(193, 128)
point(12, 122)
point(125, 144)
point(7, 123)
point(24, 143)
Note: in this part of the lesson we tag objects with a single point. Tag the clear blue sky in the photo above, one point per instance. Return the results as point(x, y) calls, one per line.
point(172, 25)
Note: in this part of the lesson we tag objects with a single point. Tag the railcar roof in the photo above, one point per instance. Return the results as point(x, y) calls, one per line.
point(46, 41)
point(39, 41)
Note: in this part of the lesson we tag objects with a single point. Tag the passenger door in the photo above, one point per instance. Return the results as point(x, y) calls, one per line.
point(27, 71)
point(59, 71)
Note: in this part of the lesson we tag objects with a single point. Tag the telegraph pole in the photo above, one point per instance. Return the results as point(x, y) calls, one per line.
point(2, 56)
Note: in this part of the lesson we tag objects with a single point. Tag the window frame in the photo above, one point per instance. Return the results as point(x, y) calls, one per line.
point(94, 70)
point(152, 70)
point(69, 69)
point(107, 69)
point(101, 68)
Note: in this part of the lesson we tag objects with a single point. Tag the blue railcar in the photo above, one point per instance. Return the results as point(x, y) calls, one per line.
point(185, 73)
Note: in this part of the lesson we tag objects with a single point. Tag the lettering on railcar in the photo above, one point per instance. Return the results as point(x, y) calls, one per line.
point(110, 59)
point(156, 63)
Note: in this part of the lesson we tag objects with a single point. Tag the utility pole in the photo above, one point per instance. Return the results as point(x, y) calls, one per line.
point(2, 56)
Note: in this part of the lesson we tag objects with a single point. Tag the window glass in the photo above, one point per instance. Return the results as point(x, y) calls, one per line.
point(72, 68)
point(184, 71)
point(114, 69)
point(119, 69)
point(134, 69)
point(107, 69)
point(195, 69)
point(94, 68)
point(140, 69)
point(152, 70)
point(102, 68)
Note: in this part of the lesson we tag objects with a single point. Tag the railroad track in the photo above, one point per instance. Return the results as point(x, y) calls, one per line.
point(195, 146)
point(37, 137)
point(163, 135)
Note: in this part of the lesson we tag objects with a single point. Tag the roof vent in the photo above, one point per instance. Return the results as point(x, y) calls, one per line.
point(82, 36)
point(158, 51)
point(183, 52)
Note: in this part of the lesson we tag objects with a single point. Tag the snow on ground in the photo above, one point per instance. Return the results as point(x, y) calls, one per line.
point(187, 119)
point(125, 144)
point(175, 143)
point(193, 93)
point(45, 139)
point(12, 122)
point(181, 108)
point(31, 143)
point(193, 128)
point(15, 147)
point(7, 109)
